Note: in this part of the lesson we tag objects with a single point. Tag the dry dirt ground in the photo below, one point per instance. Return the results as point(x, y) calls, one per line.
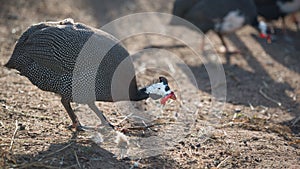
point(254, 129)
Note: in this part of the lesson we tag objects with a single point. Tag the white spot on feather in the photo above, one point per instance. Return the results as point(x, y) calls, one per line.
point(231, 22)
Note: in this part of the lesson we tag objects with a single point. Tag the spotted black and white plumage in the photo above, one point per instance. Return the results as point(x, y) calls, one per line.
point(208, 14)
point(275, 9)
point(43, 56)
point(71, 59)
point(221, 16)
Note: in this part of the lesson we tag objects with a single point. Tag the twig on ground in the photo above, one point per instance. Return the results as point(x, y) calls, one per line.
point(251, 106)
point(149, 126)
point(222, 162)
point(135, 164)
point(141, 127)
point(138, 117)
point(232, 75)
point(269, 116)
point(268, 98)
point(13, 137)
point(126, 117)
point(146, 125)
point(295, 121)
point(265, 84)
point(229, 124)
point(61, 162)
point(56, 151)
point(76, 157)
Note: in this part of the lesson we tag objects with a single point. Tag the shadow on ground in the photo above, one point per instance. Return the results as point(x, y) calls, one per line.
point(257, 87)
point(79, 153)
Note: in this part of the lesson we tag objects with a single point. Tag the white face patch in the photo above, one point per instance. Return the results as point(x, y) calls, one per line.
point(231, 22)
point(289, 7)
point(158, 89)
point(263, 27)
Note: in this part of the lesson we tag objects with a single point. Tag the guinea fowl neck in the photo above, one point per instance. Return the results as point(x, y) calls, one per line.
point(140, 95)
point(255, 23)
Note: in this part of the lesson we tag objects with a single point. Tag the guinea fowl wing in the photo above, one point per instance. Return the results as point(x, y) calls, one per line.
point(56, 48)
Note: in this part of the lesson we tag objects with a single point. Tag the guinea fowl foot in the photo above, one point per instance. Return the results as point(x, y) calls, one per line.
point(77, 126)
point(108, 124)
point(81, 128)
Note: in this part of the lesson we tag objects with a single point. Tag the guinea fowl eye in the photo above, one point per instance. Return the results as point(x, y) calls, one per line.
point(159, 88)
point(167, 88)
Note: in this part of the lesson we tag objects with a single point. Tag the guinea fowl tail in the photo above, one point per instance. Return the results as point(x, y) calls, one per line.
point(19, 47)
point(9, 65)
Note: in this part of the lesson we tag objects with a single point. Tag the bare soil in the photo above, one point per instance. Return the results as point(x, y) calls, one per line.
point(257, 127)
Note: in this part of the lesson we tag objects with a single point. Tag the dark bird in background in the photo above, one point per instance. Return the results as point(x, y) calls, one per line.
point(275, 9)
point(81, 64)
point(221, 16)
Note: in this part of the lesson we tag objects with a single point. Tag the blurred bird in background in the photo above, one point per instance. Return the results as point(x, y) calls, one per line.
point(275, 9)
point(220, 16)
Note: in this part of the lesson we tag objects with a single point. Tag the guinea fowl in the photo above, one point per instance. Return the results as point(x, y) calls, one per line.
point(275, 9)
point(81, 64)
point(221, 16)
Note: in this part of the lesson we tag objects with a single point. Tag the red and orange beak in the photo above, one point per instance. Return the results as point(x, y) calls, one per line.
point(167, 97)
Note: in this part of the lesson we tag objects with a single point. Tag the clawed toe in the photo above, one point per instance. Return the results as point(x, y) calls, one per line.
point(110, 125)
point(77, 126)
point(80, 128)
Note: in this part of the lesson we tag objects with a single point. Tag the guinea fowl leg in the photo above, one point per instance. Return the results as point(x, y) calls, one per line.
point(284, 30)
point(283, 26)
point(100, 115)
point(226, 51)
point(72, 115)
point(223, 43)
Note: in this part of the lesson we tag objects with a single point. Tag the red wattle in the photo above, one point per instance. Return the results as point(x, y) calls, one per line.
point(262, 35)
point(166, 98)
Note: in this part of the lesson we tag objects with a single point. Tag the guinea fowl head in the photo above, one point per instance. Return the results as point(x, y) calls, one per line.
point(159, 90)
point(264, 31)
